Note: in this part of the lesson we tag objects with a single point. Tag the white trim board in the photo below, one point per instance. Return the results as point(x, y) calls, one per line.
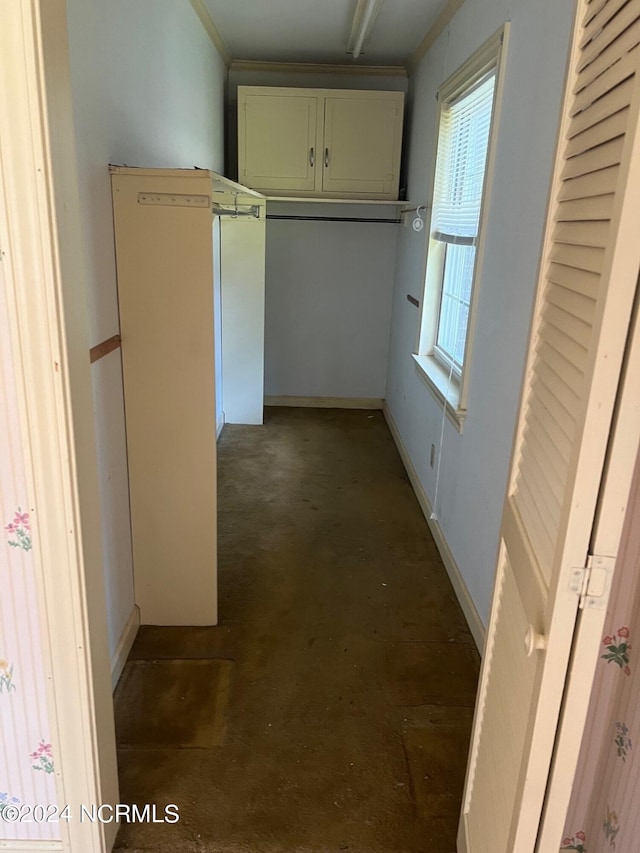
point(319, 68)
point(326, 402)
point(30, 846)
point(455, 576)
point(219, 424)
point(212, 31)
point(127, 638)
point(438, 26)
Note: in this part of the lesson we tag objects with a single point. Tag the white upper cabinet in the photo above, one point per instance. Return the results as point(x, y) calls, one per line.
point(277, 139)
point(320, 142)
point(362, 141)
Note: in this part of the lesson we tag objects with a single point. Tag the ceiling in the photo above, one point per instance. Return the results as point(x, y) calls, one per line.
point(318, 30)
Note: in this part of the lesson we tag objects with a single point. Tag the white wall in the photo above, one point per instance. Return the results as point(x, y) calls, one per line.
point(329, 287)
point(328, 284)
point(148, 90)
point(475, 464)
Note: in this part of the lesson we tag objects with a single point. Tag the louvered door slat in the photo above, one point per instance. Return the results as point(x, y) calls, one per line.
point(593, 7)
point(566, 372)
point(573, 303)
point(625, 42)
point(548, 506)
point(570, 399)
point(594, 159)
point(544, 465)
point(582, 233)
point(529, 503)
point(548, 451)
point(533, 472)
point(572, 351)
point(627, 16)
point(605, 82)
point(564, 418)
point(556, 437)
point(582, 209)
point(572, 327)
point(586, 258)
point(600, 133)
point(615, 100)
point(601, 19)
point(595, 183)
point(581, 281)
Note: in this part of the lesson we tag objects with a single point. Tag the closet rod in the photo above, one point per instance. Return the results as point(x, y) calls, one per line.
point(332, 219)
point(234, 212)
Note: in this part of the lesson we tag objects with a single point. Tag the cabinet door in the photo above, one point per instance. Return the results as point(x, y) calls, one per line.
point(277, 141)
point(362, 139)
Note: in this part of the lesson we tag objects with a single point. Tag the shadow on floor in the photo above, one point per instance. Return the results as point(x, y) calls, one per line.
point(352, 676)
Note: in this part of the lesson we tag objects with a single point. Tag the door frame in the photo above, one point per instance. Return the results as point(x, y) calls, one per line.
point(45, 281)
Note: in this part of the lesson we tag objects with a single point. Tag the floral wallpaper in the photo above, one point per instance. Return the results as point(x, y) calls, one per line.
point(27, 756)
point(604, 815)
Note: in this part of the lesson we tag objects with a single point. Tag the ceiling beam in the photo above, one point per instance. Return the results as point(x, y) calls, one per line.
point(317, 68)
point(447, 13)
point(206, 20)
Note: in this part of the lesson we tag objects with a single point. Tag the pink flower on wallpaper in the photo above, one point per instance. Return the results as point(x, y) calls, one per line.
point(20, 529)
point(575, 842)
point(43, 757)
point(618, 649)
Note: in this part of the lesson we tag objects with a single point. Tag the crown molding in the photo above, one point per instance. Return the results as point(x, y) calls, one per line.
point(318, 68)
point(206, 20)
point(435, 30)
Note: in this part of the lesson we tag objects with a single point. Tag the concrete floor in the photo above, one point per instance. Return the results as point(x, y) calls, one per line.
point(352, 675)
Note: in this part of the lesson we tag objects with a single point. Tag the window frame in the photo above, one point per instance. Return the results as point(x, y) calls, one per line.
point(439, 353)
point(449, 386)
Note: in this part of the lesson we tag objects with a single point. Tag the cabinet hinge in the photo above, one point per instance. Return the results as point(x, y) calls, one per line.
point(592, 581)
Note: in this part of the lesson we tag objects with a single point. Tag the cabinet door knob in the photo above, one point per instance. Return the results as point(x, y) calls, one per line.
point(533, 641)
point(326, 156)
point(311, 157)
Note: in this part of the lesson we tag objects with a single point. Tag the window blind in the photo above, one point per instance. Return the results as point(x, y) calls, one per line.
point(460, 166)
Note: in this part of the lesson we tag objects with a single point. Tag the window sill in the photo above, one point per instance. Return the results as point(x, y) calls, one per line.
point(447, 392)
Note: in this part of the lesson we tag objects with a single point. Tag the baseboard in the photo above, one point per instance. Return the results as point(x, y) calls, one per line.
point(326, 402)
point(119, 657)
point(455, 576)
point(219, 425)
point(29, 846)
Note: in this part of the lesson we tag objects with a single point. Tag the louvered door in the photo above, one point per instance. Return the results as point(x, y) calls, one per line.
point(589, 270)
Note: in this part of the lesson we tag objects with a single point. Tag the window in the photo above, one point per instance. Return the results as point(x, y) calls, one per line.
point(466, 109)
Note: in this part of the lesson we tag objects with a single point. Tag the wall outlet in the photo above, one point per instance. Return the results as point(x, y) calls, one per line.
point(432, 458)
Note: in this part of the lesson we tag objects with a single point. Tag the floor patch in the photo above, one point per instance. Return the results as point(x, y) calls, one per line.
point(436, 744)
point(176, 704)
point(431, 674)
